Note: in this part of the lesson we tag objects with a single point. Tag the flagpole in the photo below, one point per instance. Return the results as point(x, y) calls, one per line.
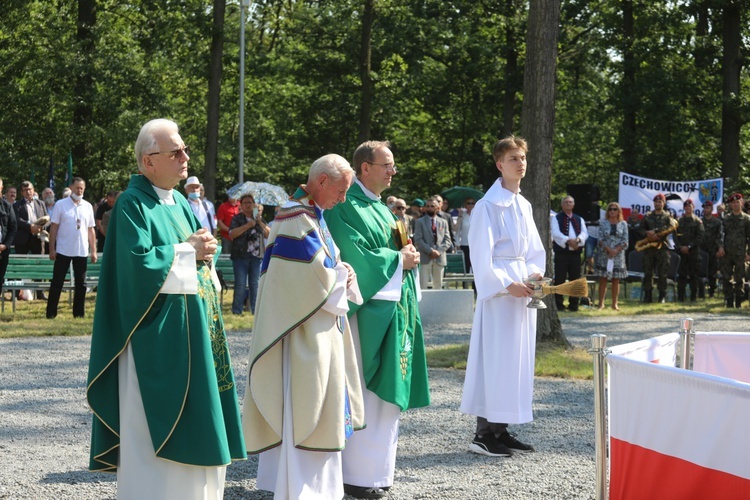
point(241, 162)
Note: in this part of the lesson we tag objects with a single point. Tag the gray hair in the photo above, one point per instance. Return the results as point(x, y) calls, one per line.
point(147, 137)
point(332, 165)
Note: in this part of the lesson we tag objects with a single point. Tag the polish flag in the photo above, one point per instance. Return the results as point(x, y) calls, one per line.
point(723, 354)
point(661, 350)
point(676, 434)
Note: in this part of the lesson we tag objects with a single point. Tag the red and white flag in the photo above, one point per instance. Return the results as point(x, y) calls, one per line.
point(723, 354)
point(661, 350)
point(676, 434)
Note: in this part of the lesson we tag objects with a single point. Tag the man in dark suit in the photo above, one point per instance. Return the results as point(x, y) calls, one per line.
point(28, 211)
point(432, 238)
point(448, 218)
point(7, 234)
point(30, 234)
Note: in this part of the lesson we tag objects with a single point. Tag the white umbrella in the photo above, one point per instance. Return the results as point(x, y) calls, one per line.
point(263, 192)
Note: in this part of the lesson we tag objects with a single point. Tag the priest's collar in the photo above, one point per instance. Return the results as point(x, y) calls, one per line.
point(367, 192)
point(165, 195)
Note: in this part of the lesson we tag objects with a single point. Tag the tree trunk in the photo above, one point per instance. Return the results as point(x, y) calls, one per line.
point(510, 52)
point(731, 119)
point(629, 95)
point(538, 125)
point(214, 93)
point(83, 112)
point(365, 67)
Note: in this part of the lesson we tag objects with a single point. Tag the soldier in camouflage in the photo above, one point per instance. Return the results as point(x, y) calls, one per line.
point(687, 243)
point(656, 256)
point(734, 251)
point(713, 235)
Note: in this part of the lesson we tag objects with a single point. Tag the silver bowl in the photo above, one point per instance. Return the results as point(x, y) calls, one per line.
point(536, 297)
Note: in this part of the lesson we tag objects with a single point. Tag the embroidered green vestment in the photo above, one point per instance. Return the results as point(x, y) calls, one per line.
point(391, 337)
point(178, 340)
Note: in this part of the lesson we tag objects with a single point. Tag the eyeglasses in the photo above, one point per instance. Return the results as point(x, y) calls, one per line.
point(612, 209)
point(173, 154)
point(389, 167)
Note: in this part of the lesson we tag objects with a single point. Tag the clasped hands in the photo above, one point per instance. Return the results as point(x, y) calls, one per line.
point(204, 243)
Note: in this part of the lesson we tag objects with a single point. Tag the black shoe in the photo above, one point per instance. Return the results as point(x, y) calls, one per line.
point(648, 297)
point(560, 307)
point(573, 308)
point(490, 446)
point(730, 302)
point(363, 492)
point(737, 303)
point(514, 444)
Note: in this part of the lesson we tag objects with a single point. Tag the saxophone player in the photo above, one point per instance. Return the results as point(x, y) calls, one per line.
point(657, 256)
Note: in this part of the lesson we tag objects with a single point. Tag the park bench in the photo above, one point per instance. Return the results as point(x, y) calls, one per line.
point(34, 272)
point(225, 270)
point(455, 272)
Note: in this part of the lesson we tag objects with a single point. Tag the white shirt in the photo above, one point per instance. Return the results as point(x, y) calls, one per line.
point(562, 239)
point(74, 221)
point(203, 215)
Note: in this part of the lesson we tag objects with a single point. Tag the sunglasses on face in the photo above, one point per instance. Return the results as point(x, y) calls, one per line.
point(612, 209)
point(172, 154)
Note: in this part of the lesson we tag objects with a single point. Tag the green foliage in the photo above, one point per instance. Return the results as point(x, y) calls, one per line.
point(446, 76)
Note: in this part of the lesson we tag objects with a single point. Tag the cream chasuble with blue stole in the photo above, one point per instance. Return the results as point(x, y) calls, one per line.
point(302, 301)
point(178, 341)
point(392, 342)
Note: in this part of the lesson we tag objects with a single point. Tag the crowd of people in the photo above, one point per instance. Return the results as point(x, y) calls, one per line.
point(712, 246)
point(337, 350)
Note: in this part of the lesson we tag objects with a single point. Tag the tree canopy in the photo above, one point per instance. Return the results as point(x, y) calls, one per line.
point(653, 88)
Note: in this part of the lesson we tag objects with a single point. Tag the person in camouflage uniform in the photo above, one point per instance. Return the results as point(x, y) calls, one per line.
point(713, 235)
point(687, 243)
point(734, 251)
point(657, 256)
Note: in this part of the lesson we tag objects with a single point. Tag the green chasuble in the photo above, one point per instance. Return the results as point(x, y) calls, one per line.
point(393, 355)
point(178, 340)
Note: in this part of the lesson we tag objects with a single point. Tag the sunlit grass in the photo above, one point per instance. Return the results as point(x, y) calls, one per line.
point(550, 361)
point(30, 319)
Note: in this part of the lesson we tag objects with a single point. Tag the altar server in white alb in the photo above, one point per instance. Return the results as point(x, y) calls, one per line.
point(505, 250)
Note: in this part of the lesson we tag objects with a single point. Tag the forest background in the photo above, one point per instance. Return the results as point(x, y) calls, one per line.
point(650, 87)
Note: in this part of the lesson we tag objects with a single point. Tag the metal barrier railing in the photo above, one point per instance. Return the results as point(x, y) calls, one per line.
point(599, 353)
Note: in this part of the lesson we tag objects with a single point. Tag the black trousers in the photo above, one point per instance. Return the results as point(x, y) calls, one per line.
point(567, 265)
point(59, 272)
point(485, 427)
point(4, 257)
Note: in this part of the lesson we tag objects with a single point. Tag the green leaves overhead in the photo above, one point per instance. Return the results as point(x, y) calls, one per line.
point(446, 83)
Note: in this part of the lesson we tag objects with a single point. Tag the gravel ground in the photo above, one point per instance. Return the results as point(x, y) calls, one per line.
point(45, 424)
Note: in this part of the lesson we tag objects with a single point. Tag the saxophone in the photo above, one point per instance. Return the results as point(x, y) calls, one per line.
point(645, 243)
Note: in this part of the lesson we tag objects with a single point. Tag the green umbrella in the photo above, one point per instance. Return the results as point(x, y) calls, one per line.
point(458, 194)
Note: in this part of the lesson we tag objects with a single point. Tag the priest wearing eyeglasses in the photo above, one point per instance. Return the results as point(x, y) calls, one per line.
point(160, 383)
point(387, 328)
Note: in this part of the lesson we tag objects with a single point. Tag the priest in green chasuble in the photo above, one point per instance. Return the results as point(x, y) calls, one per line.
point(160, 382)
point(387, 328)
point(303, 398)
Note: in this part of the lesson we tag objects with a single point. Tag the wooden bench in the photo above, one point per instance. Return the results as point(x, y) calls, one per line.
point(34, 272)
